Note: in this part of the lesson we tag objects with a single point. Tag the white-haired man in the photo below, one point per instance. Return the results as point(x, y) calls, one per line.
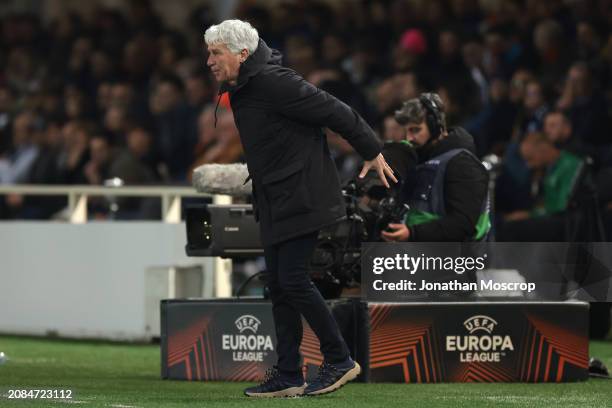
point(296, 192)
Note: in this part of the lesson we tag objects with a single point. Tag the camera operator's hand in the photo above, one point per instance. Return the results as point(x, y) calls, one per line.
point(401, 233)
point(381, 167)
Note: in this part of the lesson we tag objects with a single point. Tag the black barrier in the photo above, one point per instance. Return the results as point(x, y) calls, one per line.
point(413, 342)
point(234, 340)
point(478, 342)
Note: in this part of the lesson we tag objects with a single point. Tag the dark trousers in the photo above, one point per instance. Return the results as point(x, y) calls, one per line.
point(293, 295)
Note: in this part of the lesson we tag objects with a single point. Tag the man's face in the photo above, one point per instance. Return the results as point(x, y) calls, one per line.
point(533, 96)
point(139, 142)
point(417, 133)
point(99, 150)
point(533, 152)
point(223, 63)
point(392, 131)
point(577, 77)
point(556, 128)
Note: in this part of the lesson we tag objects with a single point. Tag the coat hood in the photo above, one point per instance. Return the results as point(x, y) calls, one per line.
point(257, 61)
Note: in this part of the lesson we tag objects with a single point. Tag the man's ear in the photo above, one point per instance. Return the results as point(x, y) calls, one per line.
point(244, 54)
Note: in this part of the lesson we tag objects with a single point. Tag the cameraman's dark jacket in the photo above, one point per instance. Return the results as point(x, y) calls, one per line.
point(465, 191)
point(280, 116)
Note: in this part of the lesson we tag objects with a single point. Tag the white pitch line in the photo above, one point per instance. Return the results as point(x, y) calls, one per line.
point(122, 406)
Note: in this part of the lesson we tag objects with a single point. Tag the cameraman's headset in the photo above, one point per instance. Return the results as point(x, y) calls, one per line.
point(432, 117)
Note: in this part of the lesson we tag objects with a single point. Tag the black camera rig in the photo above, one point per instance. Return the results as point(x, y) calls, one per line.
point(230, 231)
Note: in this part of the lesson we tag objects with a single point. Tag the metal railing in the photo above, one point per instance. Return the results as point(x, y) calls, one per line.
point(171, 197)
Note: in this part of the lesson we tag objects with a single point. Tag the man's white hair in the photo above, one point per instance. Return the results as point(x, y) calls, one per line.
point(235, 34)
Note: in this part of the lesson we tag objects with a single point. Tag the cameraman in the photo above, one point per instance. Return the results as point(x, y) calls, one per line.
point(447, 191)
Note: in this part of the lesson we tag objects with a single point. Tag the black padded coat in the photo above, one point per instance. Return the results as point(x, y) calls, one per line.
point(280, 118)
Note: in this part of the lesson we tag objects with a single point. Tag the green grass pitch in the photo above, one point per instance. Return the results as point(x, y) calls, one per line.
point(124, 376)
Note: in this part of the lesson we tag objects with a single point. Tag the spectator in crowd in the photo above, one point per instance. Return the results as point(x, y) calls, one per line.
point(6, 104)
point(135, 164)
point(198, 90)
point(587, 108)
point(392, 131)
point(97, 169)
point(518, 84)
point(74, 153)
point(558, 128)
point(451, 72)
point(115, 124)
point(175, 124)
point(393, 91)
point(534, 107)
point(334, 50)
point(16, 166)
point(44, 170)
point(492, 127)
point(301, 54)
point(473, 60)
point(514, 187)
point(555, 169)
point(554, 175)
point(22, 73)
point(220, 143)
point(410, 52)
point(552, 59)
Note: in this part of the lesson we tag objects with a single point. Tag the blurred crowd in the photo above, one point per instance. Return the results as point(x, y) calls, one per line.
point(85, 99)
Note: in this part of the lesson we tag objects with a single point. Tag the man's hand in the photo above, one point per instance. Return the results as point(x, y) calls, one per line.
point(400, 233)
point(381, 167)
